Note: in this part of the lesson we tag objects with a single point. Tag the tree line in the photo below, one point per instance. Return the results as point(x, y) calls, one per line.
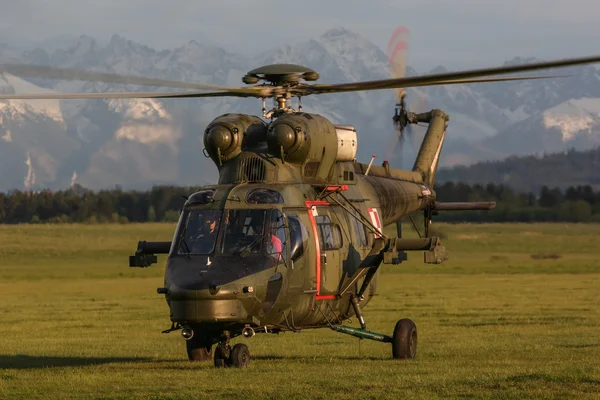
point(530, 173)
point(162, 203)
point(77, 204)
point(575, 204)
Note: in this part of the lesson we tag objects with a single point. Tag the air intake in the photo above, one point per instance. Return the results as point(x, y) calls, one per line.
point(251, 169)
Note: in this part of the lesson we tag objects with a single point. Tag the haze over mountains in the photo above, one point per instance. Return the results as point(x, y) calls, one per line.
point(137, 143)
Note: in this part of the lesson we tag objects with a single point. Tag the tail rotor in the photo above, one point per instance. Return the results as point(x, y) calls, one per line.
point(397, 51)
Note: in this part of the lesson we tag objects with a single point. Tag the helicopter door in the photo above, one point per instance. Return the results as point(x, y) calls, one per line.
point(328, 238)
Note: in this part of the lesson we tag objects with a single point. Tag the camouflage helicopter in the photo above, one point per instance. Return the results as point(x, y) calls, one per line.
point(290, 237)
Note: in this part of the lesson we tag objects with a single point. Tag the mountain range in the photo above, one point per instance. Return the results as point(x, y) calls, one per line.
point(137, 143)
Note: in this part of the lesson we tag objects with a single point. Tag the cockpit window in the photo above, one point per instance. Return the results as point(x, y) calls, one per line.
point(263, 196)
point(243, 231)
point(298, 237)
point(199, 231)
point(276, 241)
point(254, 231)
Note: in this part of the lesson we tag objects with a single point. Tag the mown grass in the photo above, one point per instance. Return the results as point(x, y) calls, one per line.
point(513, 314)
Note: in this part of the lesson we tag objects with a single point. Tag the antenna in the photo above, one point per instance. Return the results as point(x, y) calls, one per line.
point(370, 163)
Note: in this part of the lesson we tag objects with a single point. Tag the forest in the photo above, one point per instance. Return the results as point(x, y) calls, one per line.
point(531, 173)
point(162, 203)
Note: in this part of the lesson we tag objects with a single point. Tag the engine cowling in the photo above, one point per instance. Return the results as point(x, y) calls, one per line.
point(223, 137)
point(309, 140)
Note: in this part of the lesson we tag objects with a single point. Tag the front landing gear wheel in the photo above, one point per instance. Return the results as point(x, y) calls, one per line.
point(404, 341)
point(198, 348)
point(222, 355)
point(240, 356)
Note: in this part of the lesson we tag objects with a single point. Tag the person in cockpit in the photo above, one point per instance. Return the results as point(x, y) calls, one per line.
point(274, 245)
point(203, 240)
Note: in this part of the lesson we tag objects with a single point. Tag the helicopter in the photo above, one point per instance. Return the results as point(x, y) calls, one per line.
point(291, 235)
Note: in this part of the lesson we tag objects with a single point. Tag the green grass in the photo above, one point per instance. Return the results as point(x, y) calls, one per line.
point(494, 322)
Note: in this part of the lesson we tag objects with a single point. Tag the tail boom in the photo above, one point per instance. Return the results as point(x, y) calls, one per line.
point(428, 159)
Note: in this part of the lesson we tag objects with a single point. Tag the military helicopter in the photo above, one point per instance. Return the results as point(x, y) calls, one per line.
point(290, 237)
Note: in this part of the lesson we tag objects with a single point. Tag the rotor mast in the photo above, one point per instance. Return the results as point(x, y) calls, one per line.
point(283, 78)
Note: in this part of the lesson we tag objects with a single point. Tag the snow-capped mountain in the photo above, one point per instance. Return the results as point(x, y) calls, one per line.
point(574, 123)
point(135, 143)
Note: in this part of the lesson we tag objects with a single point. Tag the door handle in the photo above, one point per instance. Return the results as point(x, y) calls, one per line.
point(323, 258)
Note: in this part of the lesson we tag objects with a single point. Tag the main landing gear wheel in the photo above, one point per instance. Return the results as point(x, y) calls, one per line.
point(226, 357)
point(240, 356)
point(198, 348)
point(404, 341)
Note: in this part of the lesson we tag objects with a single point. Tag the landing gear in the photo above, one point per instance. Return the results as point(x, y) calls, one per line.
point(225, 356)
point(199, 348)
point(222, 355)
point(404, 340)
point(240, 356)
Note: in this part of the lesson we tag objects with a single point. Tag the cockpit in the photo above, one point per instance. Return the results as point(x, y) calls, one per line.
point(238, 231)
point(199, 230)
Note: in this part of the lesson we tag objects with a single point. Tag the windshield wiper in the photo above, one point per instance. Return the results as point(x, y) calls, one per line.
point(186, 247)
point(183, 243)
point(244, 251)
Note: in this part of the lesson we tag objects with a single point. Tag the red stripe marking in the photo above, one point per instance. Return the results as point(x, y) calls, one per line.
point(325, 297)
point(403, 46)
point(313, 223)
point(401, 30)
point(334, 188)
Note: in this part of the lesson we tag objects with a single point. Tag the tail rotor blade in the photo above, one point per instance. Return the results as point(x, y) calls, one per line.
point(389, 152)
point(396, 51)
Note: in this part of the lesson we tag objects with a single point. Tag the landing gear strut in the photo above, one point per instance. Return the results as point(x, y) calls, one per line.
point(226, 357)
point(403, 340)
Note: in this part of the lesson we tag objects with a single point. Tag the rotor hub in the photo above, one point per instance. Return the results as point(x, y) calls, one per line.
point(280, 75)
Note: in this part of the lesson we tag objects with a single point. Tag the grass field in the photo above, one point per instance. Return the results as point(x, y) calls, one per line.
point(514, 313)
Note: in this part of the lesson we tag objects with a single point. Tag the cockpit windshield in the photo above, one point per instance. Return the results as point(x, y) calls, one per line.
point(250, 231)
point(243, 231)
point(253, 231)
point(199, 232)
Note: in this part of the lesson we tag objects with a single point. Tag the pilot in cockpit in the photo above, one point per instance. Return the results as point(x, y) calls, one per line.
point(204, 236)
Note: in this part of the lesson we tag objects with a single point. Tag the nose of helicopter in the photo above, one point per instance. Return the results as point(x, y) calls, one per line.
point(223, 291)
point(196, 306)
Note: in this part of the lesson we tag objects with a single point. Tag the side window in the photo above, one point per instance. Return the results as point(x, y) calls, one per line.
point(276, 242)
point(359, 229)
point(330, 235)
point(298, 237)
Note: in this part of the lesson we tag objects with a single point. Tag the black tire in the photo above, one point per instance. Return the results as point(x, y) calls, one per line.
point(240, 356)
point(222, 356)
point(404, 341)
point(199, 348)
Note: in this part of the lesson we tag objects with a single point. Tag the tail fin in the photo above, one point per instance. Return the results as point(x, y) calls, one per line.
point(428, 159)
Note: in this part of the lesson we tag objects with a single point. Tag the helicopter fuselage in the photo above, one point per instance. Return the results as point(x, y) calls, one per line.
point(291, 237)
point(323, 244)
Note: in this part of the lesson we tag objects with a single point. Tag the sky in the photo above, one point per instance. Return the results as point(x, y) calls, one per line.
point(453, 33)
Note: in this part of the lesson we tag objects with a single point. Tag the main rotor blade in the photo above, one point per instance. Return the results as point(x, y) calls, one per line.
point(71, 74)
point(449, 77)
point(450, 82)
point(496, 79)
point(121, 95)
